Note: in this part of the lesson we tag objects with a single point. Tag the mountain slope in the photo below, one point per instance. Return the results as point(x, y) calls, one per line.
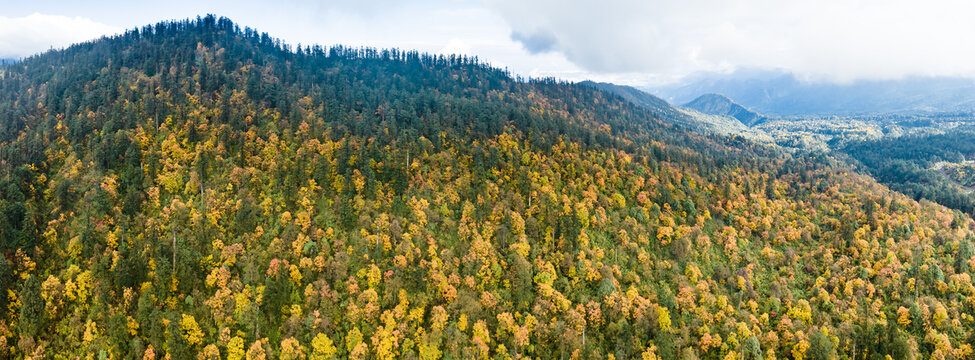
point(715, 104)
point(689, 118)
point(658, 106)
point(914, 165)
point(191, 189)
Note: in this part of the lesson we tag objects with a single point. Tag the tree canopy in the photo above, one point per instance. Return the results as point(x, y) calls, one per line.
point(191, 189)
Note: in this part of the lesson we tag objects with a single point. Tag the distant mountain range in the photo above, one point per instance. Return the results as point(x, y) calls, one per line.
point(780, 93)
point(7, 61)
point(715, 104)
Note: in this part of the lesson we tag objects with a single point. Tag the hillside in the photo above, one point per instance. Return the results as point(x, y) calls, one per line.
point(196, 190)
point(659, 107)
point(715, 104)
point(688, 118)
point(925, 166)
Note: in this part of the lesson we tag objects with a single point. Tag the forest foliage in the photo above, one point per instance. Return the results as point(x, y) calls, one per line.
point(926, 166)
point(194, 190)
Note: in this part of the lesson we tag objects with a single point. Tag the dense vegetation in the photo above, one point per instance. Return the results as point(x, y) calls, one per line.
point(915, 165)
point(962, 173)
point(191, 189)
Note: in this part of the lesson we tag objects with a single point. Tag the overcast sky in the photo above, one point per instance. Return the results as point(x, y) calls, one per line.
point(632, 42)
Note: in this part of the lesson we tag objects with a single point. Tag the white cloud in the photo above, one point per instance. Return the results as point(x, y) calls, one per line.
point(28, 35)
point(438, 26)
point(828, 40)
point(636, 42)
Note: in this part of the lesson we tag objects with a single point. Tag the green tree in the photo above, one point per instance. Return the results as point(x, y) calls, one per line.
point(32, 314)
point(821, 347)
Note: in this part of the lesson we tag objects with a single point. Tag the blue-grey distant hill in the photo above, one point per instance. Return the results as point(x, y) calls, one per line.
point(779, 93)
point(715, 104)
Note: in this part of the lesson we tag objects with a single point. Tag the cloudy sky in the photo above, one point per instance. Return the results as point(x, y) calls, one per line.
point(636, 42)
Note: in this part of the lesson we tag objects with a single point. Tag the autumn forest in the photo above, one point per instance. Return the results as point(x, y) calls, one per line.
point(194, 189)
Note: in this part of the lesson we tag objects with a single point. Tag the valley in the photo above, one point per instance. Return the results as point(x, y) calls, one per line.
point(922, 154)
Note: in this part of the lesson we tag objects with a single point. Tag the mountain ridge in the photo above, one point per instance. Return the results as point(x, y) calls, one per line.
point(716, 104)
point(721, 124)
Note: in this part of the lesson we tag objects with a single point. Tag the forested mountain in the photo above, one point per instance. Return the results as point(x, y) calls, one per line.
point(929, 166)
point(715, 104)
point(194, 190)
point(688, 118)
point(660, 108)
